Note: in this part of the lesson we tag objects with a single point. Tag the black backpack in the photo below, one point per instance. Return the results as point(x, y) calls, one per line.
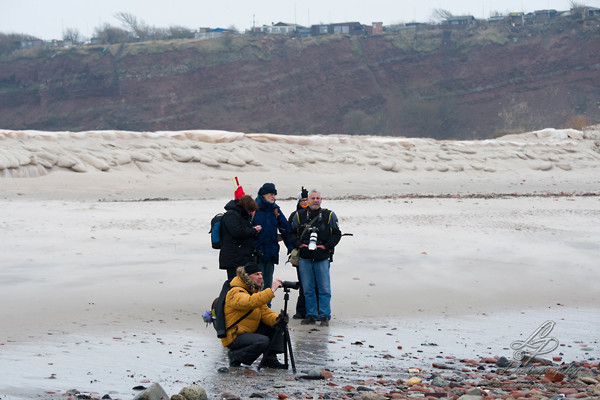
point(216, 231)
point(218, 312)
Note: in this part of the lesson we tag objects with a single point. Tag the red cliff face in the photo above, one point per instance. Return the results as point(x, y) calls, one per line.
point(442, 84)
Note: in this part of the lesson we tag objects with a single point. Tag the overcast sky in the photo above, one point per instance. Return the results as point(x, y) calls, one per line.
point(47, 19)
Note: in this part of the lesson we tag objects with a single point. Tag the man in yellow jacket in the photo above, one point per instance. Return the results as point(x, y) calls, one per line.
point(250, 322)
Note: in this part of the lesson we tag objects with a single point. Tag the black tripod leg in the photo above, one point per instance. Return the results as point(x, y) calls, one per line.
point(288, 345)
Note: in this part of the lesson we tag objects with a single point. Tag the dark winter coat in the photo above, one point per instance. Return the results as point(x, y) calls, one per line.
point(328, 233)
point(238, 237)
point(272, 221)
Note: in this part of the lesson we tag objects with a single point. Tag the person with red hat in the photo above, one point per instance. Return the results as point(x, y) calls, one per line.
point(238, 234)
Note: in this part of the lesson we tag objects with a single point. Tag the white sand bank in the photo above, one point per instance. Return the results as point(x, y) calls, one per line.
point(200, 164)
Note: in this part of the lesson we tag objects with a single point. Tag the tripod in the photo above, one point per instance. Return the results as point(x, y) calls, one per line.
point(282, 328)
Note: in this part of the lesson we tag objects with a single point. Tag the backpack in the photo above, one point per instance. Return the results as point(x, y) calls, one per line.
point(216, 231)
point(216, 314)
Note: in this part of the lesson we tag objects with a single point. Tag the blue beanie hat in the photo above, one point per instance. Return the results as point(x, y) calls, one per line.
point(267, 188)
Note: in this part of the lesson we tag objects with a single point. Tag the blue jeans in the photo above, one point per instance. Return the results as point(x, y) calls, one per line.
point(267, 269)
point(314, 276)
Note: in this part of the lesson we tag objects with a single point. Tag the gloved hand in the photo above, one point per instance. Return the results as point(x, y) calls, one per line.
point(282, 317)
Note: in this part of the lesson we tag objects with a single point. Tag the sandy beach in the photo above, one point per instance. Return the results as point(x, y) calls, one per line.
point(458, 249)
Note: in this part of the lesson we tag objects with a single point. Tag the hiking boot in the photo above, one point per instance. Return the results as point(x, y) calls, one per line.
point(233, 363)
point(275, 364)
point(307, 321)
point(324, 321)
point(298, 316)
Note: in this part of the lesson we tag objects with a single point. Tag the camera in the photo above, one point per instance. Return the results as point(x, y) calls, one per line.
point(312, 241)
point(290, 285)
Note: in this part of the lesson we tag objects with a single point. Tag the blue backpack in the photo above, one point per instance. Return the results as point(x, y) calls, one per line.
point(216, 231)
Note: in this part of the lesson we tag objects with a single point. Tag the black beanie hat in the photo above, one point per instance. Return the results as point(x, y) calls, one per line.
point(267, 188)
point(251, 268)
point(303, 194)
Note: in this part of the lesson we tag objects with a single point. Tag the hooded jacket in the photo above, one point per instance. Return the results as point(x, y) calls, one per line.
point(272, 220)
point(238, 237)
point(243, 297)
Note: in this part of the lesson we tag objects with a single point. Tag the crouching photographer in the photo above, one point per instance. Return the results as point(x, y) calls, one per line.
point(250, 322)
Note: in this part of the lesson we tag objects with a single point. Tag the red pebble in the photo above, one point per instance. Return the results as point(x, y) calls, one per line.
point(327, 375)
point(578, 396)
point(282, 396)
point(567, 391)
point(518, 393)
point(419, 388)
point(553, 375)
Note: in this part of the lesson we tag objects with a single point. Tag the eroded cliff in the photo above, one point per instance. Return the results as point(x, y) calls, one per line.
point(434, 82)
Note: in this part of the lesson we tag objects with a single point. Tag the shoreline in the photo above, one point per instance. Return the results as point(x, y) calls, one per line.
point(458, 195)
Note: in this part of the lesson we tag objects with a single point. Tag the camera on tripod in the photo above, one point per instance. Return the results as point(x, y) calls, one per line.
point(282, 328)
point(312, 240)
point(290, 285)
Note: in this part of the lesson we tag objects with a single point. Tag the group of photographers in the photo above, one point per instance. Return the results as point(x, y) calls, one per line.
point(250, 249)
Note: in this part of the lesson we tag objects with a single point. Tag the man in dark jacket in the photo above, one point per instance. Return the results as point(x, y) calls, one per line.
point(315, 232)
point(238, 234)
point(272, 220)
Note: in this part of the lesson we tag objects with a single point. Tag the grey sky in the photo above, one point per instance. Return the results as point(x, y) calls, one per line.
point(47, 19)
